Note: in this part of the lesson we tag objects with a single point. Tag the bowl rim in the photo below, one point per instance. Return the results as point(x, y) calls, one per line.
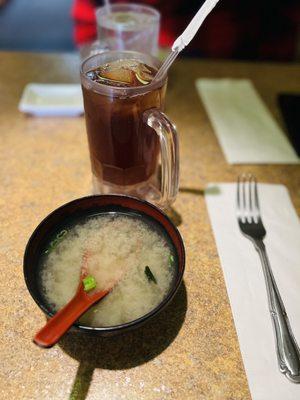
point(127, 325)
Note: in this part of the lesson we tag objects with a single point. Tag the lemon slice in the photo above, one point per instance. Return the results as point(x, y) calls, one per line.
point(140, 79)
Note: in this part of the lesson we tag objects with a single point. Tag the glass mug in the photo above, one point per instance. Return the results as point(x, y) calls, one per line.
point(133, 145)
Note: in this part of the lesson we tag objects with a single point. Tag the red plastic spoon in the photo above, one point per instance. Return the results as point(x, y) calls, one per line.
point(58, 325)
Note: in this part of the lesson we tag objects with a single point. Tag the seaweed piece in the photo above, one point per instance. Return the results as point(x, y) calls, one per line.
point(149, 274)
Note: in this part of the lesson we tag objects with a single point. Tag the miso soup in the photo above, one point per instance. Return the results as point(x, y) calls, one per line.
point(130, 253)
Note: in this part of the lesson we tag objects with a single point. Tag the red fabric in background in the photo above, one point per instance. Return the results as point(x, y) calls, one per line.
point(85, 29)
point(235, 29)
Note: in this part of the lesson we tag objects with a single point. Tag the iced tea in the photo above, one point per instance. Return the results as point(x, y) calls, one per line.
point(123, 148)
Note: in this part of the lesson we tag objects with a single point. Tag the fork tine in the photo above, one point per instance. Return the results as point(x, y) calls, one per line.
point(252, 208)
point(256, 202)
point(238, 194)
point(250, 194)
point(244, 196)
point(241, 197)
point(247, 198)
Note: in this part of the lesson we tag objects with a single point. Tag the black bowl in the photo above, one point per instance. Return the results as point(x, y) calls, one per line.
point(93, 205)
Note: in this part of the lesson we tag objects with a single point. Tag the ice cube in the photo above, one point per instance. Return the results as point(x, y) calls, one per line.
point(92, 75)
point(123, 73)
point(120, 75)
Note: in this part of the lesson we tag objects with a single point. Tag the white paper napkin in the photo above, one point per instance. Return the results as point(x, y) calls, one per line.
point(245, 128)
point(245, 281)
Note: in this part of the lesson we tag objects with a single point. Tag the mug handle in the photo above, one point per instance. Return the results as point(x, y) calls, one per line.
point(168, 139)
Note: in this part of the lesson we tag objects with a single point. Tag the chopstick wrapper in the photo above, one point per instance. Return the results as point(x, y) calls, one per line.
point(246, 286)
point(246, 131)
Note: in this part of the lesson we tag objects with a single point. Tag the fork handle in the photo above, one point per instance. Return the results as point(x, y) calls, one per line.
point(288, 353)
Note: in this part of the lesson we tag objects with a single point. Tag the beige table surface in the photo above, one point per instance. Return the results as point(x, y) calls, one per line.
point(189, 352)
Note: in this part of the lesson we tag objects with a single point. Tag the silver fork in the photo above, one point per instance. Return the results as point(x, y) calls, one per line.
point(251, 225)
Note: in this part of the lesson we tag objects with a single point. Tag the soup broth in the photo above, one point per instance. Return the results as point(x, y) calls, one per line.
point(126, 251)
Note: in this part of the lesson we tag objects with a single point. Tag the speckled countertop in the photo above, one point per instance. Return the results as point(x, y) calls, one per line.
point(191, 350)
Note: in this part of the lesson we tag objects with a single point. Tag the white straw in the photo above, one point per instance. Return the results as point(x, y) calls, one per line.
point(184, 39)
point(192, 28)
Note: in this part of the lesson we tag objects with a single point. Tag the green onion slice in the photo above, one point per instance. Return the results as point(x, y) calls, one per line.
point(58, 238)
point(171, 259)
point(89, 283)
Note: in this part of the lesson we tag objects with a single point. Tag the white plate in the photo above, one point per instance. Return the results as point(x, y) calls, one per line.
point(52, 100)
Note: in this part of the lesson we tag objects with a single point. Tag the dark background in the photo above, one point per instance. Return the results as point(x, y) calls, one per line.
point(251, 30)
